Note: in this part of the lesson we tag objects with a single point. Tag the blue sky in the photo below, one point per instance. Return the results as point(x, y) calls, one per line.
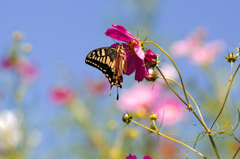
point(68, 30)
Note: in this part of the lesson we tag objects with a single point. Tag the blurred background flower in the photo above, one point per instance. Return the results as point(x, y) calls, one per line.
point(62, 95)
point(139, 96)
point(169, 110)
point(11, 134)
point(199, 51)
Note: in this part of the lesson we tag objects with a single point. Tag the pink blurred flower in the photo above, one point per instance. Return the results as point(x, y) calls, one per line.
point(208, 53)
point(6, 63)
point(96, 88)
point(171, 108)
point(138, 97)
point(200, 52)
point(62, 95)
point(188, 45)
point(169, 71)
point(135, 54)
point(27, 70)
point(134, 157)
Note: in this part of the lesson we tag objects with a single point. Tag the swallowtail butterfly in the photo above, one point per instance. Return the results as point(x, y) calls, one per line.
point(111, 61)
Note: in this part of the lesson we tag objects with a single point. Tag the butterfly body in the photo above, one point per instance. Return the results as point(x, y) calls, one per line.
point(111, 61)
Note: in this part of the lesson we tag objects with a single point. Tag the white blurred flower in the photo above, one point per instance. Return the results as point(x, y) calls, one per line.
point(17, 35)
point(26, 47)
point(10, 129)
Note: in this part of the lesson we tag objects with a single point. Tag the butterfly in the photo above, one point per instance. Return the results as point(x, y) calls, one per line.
point(111, 61)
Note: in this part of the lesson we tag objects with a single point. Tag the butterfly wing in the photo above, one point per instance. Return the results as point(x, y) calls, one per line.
point(104, 59)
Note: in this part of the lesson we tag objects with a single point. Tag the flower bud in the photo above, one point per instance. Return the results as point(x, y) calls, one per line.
point(127, 117)
point(231, 58)
point(153, 116)
point(151, 75)
point(150, 59)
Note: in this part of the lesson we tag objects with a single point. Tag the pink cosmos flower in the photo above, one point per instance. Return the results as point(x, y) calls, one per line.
point(207, 53)
point(27, 70)
point(6, 63)
point(96, 88)
point(192, 42)
point(61, 95)
point(134, 157)
point(200, 52)
point(171, 108)
point(135, 54)
point(138, 97)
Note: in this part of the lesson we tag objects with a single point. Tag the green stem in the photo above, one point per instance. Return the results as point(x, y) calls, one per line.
point(168, 138)
point(230, 83)
point(155, 125)
point(236, 153)
point(174, 65)
point(171, 87)
point(201, 120)
point(214, 146)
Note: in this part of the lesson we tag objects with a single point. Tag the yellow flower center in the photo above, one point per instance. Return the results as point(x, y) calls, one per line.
point(131, 46)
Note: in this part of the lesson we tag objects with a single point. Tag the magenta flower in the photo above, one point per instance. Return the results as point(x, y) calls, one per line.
point(131, 157)
point(6, 63)
point(147, 157)
point(150, 58)
point(134, 157)
point(61, 95)
point(135, 54)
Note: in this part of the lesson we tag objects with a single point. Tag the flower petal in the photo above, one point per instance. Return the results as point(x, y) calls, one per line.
point(124, 46)
point(115, 34)
point(131, 64)
point(123, 30)
point(131, 157)
point(120, 33)
point(114, 45)
point(140, 70)
point(147, 157)
point(139, 52)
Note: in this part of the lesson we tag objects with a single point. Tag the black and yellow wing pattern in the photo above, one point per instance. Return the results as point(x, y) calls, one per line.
point(105, 59)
